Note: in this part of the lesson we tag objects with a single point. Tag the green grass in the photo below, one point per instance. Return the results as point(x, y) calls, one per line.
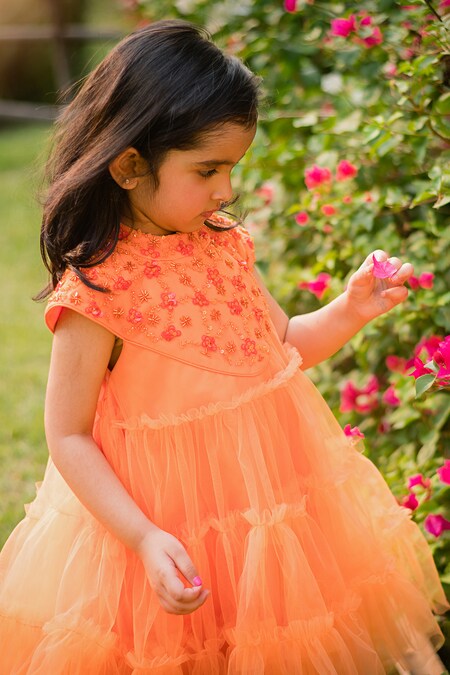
point(24, 339)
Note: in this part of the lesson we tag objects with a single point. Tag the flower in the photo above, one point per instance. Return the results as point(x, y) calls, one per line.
point(318, 286)
point(436, 524)
point(328, 210)
point(316, 175)
point(353, 432)
point(426, 280)
point(362, 400)
point(444, 4)
point(390, 397)
point(290, 5)
point(444, 472)
point(410, 501)
point(395, 363)
point(382, 270)
point(442, 357)
point(345, 170)
point(390, 69)
point(375, 38)
point(418, 479)
point(343, 27)
point(301, 218)
point(266, 191)
point(413, 282)
point(429, 344)
point(419, 368)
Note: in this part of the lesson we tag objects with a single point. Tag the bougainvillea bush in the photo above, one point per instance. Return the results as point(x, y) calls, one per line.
point(352, 155)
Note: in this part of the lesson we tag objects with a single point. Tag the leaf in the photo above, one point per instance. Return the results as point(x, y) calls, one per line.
point(423, 383)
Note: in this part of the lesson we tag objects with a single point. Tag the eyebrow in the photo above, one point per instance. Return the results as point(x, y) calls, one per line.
point(215, 162)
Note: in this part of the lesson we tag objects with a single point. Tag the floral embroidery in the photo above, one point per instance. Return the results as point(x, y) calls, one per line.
point(186, 321)
point(213, 275)
point(153, 318)
point(235, 307)
point(209, 343)
point(230, 347)
point(118, 312)
point(215, 315)
point(185, 279)
point(135, 316)
point(169, 300)
point(93, 309)
point(249, 347)
point(129, 266)
point(257, 311)
point(237, 281)
point(170, 333)
point(75, 298)
point(152, 269)
point(200, 299)
point(153, 252)
point(185, 249)
point(244, 302)
point(144, 296)
point(122, 284)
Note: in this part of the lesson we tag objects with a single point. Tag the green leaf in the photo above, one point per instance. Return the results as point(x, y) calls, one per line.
point(423, 383)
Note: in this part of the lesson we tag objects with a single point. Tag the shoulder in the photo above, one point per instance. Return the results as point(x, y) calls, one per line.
point(237, 238)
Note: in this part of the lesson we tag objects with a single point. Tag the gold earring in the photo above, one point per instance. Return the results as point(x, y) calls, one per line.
point(127, 181)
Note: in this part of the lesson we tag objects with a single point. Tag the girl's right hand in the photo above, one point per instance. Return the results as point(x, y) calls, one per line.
point(163, 557)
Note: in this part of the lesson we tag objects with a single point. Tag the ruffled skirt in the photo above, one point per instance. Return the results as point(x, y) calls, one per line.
point(312, 565)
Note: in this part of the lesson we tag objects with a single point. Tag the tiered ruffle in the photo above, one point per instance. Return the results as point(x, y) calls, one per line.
point(313, 567)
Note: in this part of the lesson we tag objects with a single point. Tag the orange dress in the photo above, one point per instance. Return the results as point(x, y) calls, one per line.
point(223, 441)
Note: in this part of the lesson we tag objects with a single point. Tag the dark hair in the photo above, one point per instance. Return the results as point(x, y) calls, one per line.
point(161, 88)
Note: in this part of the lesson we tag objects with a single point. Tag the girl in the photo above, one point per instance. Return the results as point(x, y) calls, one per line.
point(202, 511)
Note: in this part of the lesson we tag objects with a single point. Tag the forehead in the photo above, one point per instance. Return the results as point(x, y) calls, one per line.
point(227, 144)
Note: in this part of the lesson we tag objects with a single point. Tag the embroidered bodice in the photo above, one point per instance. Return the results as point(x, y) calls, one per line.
point(188, 296)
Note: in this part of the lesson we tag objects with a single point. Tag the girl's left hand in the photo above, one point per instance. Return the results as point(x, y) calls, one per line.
point(369, 296)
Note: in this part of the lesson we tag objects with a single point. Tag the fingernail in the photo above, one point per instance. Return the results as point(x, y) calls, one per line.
point(197, 581)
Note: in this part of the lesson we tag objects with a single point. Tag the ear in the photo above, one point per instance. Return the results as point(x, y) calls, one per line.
point(127, 168)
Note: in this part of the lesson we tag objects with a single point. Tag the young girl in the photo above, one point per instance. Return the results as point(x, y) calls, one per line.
point(202, 511)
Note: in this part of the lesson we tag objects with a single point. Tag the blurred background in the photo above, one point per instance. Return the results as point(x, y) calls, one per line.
point(352, 154)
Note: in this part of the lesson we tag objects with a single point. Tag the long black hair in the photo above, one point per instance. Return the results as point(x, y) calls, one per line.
point(159, 89)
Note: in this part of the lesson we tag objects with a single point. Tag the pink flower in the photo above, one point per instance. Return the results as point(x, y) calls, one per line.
point(390, 69)
point(426, 280)
point(343, 27)
point(419, 480)
point(366, 21)
point(395, 363)
point(328, 210)
point(290, 5)
point(390, 397)
point(376, 38)
point(419, 369)
point(266, 192)
point(413, 282)
point(444, 472)
point(429, 344)
point(354, 432)
point(444, 4)
point(345, 170)
point(382, 270)
point(301, 218)
point(362, 400)
point(442, 357)
point(368, 197)
point(316, 175)
point(436, 524)
point(318, 286)
point(327, 228)
point(347, 199)
point(410, 501)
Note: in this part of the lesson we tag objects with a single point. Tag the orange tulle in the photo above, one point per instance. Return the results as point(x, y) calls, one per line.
point(312, 565)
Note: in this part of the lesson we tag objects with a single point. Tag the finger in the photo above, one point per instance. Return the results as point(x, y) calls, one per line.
point(403, 273)
point(395, 295)
point(379, 254)
point(174, 606)
point(185, 565)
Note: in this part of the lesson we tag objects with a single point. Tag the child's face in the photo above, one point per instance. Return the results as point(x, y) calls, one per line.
point(192, 183)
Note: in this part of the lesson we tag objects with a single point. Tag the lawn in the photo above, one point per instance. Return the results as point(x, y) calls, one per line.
point(25, 341)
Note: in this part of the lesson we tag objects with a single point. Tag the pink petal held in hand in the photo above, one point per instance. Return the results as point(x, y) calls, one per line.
point(382, 270)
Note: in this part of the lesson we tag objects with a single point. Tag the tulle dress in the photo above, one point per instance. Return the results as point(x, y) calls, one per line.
point(223, 441)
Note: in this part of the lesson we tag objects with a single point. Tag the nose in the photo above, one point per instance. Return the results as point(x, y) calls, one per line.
point(223, 190)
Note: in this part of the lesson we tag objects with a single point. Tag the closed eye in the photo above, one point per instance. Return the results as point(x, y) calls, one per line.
point(208, 174)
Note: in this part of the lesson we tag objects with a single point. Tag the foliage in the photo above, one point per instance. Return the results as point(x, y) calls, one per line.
point(371, 90)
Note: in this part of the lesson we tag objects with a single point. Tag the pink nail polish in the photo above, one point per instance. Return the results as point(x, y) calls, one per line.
point(197, 581)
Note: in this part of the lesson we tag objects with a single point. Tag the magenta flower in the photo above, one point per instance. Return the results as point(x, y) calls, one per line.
point(444, 4)
point(382, 270)
point(426, 280)
point(328, 210)
point(345, 170)
point(390, 397)
point(442, 357)
point(316, 176)
point(376, 38)
point(266, 193)
point(428, 344)
point(413, 282)
point(318, 286)
point(343, 27)
point(419, 369)
point(290, 5)
point(436, 524)
point(410, 501)
point(444, 472)
point(395, 363)
point(362, 400)
point(353, 432)
point(301, 218)
point(419, 480)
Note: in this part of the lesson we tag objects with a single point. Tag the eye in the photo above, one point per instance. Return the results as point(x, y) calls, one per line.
point(208, 174)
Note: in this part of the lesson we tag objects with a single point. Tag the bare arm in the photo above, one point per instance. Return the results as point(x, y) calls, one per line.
point(80, 354)
point(320, 334)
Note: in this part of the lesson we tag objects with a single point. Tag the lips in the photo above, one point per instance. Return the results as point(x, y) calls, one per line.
point(208, 214)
